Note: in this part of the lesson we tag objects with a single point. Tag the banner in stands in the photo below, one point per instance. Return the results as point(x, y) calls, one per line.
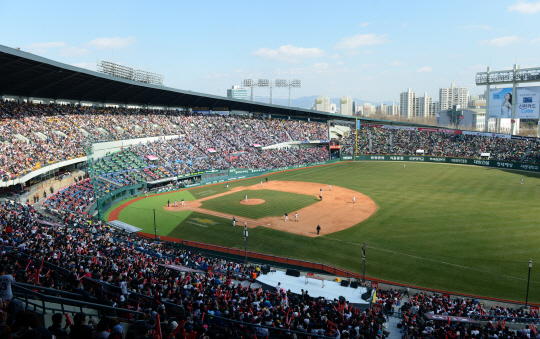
point(527, 102)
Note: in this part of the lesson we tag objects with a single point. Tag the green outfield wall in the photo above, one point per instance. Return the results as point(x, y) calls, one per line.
point(447, 160)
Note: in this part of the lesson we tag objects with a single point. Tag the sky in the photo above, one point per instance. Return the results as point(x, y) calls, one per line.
point(370, 50)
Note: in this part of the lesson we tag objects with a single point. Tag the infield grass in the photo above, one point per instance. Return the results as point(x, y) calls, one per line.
point(458, 228)
point(276, 203)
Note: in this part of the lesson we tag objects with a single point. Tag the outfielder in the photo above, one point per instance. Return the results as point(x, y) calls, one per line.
point(522, 181)
point(233, 221)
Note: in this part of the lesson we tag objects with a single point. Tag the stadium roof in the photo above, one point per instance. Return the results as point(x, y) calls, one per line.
point(26, 75)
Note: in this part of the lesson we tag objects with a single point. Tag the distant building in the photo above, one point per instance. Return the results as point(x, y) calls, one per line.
point(474, 119)
point(237, 93)
point(368, 109)
point(408, 105)
point(346, 105)
point(392, 109)
point(333, 108)
point(425, 106)
point(449, 96)
point(322, 103)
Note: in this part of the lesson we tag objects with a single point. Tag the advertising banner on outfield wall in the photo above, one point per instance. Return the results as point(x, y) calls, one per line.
point(477, 162)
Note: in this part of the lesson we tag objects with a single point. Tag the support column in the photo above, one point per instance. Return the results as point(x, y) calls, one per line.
point(514, 100)
point(486, 123)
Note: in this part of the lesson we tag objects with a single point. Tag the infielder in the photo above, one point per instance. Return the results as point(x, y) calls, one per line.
point(183, 203)
point(353, 199)
point(321, 192)
point(296, 216)
point(286, 217)
point(233, 221)
point(176, 203)
point(329, 187)
point(261, 183)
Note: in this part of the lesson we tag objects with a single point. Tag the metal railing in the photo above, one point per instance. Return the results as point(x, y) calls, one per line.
point(37, 301)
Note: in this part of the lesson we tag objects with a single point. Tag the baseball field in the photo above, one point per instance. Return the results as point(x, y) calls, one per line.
point(458, 228)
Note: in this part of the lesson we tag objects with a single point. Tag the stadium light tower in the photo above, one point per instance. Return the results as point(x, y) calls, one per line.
point(287, 83)
point(251, 84)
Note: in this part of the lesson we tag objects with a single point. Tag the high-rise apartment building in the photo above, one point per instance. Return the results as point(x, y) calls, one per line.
point(322, 103)
point(392, 109)
point(408, 104)
point(449, 96)
point(346, 105)
point(236, 92)
point(426, 107)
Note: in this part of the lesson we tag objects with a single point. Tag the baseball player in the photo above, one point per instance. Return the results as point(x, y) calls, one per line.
point(146, 193)
point(246, 197)
point(403, 166)
point(321, 192)
point(183, 203)
point(286, 217)
point(318, 229)
point(329, 187)
point(522, 181)
point(245, 223)
point(261, 183)
point(168, 202)
point(296, 216)
point(176, 203)
point(227, 185)
point(266, 179)
point(233, 221)
point(353, 199)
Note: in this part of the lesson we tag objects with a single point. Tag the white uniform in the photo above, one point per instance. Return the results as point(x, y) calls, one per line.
point(286, 217)
point(522, 181)
point(176, 203)
point(353, 199)
point(261, 183)
point(329, 187)
point(246, 197)
point(296, 217)
point(403, 165)
point(183, 202)
point(5, 287)
point(227, 185)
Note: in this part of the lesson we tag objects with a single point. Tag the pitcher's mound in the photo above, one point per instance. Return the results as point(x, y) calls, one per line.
point(252, 202)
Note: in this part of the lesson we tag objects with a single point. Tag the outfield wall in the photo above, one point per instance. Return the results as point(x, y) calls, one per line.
point(447, 160)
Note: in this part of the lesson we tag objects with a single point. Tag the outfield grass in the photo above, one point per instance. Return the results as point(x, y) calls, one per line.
point(276, 203)
point(458, 228)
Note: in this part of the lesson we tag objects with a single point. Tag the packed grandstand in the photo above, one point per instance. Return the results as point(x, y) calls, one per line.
point(69, 254)
point(93, 263)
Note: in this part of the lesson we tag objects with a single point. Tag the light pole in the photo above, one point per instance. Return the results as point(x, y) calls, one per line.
point(364, 262)
point(245, 240)
point(528, 280)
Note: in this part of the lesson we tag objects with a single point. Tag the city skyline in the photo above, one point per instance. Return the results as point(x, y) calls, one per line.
point(372, 56)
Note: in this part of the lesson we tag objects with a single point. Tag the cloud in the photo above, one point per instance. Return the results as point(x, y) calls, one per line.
point(289, 53)
point(453, 56)
point(525, 7)
point(485, 27)
point(42, 47)
point(367, 65)
point(397, 63)
point(361, 40)
point(73, 51)
point(534, 41)
point(111, 43)
point(503, 41)
point(364, 24)
point(425, 69)
point(339, 63)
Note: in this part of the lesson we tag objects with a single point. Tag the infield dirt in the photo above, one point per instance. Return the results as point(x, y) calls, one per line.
point(334, 213)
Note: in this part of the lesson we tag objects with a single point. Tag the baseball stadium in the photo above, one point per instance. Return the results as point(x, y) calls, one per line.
point(133, 204)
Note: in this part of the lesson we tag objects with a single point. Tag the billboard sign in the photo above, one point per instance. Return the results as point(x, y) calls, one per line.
point(528, 102)
point(500, 103)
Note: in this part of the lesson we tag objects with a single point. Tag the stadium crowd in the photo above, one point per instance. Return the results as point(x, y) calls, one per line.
point(109, 268)
point(35, 135)
point(407, 142)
